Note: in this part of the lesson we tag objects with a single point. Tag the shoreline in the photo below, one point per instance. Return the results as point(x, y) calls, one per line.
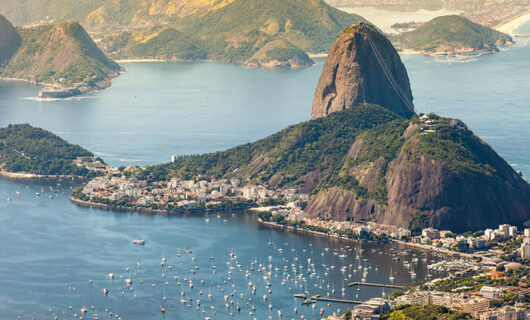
point(509, 26)
point(418, 246)
point(269, 224)
point(111, 207)
point(32, 176)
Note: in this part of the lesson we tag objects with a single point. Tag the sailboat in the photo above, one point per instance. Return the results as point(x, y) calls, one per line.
point(391, 277)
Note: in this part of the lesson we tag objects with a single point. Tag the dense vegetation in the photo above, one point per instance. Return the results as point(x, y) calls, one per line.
point(9, 40)
point(242, 31)
point(106, 15)
point(469, 283)
point(318, 145)
point(169, 44)
point(427, 312)
point(451, 32)
point(63, 55)
point(282, 51)
point(24, 148)
point(459, 149)
point(310, 25)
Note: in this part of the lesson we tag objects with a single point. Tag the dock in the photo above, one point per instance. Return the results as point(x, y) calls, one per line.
point(339, 300)
point(317, 297)
point(380, 285)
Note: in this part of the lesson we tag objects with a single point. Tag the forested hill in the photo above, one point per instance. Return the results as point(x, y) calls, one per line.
point(63, 55)
point(248, 32)
point(27, 149)
point(369, 164)
point(9, 40)
point(106, 15)
point(452, 34)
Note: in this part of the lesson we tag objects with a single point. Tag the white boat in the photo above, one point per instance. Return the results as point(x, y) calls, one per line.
point(138, 241)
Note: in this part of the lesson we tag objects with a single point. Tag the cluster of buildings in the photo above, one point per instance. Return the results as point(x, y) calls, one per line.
point(477, 305)
point(93, 164)
point(182, 193)
point(505, 232)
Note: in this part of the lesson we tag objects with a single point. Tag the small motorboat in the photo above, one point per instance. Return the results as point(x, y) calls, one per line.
point(140, 242)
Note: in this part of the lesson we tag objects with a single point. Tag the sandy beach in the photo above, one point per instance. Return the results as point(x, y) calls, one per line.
point(513, 24)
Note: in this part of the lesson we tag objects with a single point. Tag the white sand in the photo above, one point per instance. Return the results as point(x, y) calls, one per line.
point(513, 24)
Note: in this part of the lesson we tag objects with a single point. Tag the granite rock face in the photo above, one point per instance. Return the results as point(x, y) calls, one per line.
point(363, 67)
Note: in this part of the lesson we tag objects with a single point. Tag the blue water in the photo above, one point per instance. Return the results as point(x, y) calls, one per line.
point(50, 248)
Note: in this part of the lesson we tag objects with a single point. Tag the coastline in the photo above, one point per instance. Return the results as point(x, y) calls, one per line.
point(104, 206)
point(32, 176)
point(346, 239)
point(509, 26)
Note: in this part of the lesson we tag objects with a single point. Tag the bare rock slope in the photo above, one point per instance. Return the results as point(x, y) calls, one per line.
point(363, 67)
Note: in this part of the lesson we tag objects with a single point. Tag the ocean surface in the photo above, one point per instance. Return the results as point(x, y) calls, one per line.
point(50, 249)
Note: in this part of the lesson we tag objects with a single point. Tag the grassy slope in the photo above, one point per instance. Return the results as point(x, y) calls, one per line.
point(168, 44)
point(49, 53)
point(311, 25)
point(105, 13)
point(317, 145)
point(24, 148)
point(449, 32)
point(9, 39)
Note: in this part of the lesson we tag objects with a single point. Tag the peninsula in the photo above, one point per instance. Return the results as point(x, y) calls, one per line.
point(62, 57)
point(27, 152)
point(361, 162)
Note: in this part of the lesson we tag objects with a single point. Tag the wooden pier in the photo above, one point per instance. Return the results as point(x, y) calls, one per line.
point(380, 285)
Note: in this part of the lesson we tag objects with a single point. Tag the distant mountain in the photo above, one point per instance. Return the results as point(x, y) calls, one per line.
point(9, 40)
point(167, 44)
point(106, 15)
point(27, 149)
point(367, 163)
point(248, 32)
point(452, 35)
point(363, 67)
point(62, 55)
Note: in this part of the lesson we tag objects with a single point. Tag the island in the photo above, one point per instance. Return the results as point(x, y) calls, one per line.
point(27, 152)
point(451, 36)
point(62, 57)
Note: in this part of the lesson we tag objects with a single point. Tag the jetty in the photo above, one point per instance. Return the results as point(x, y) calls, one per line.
point(317, 297)
point(339, 300)
point(380, 285)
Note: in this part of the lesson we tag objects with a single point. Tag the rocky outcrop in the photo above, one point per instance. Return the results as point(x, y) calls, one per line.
point(363, 67)
point(425, 187)
point(9, 39)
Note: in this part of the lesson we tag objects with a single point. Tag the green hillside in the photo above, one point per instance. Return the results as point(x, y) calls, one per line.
point(24, 148)
point(424, 313)
point(106, 15)
point(9, 40)
point(249, 32)
point(311, 25)
point(284, 158)
point(169, 44)
point(63, 55)
point(449, 33)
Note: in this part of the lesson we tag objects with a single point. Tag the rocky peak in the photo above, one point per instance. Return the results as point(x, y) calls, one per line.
point(363, 67)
